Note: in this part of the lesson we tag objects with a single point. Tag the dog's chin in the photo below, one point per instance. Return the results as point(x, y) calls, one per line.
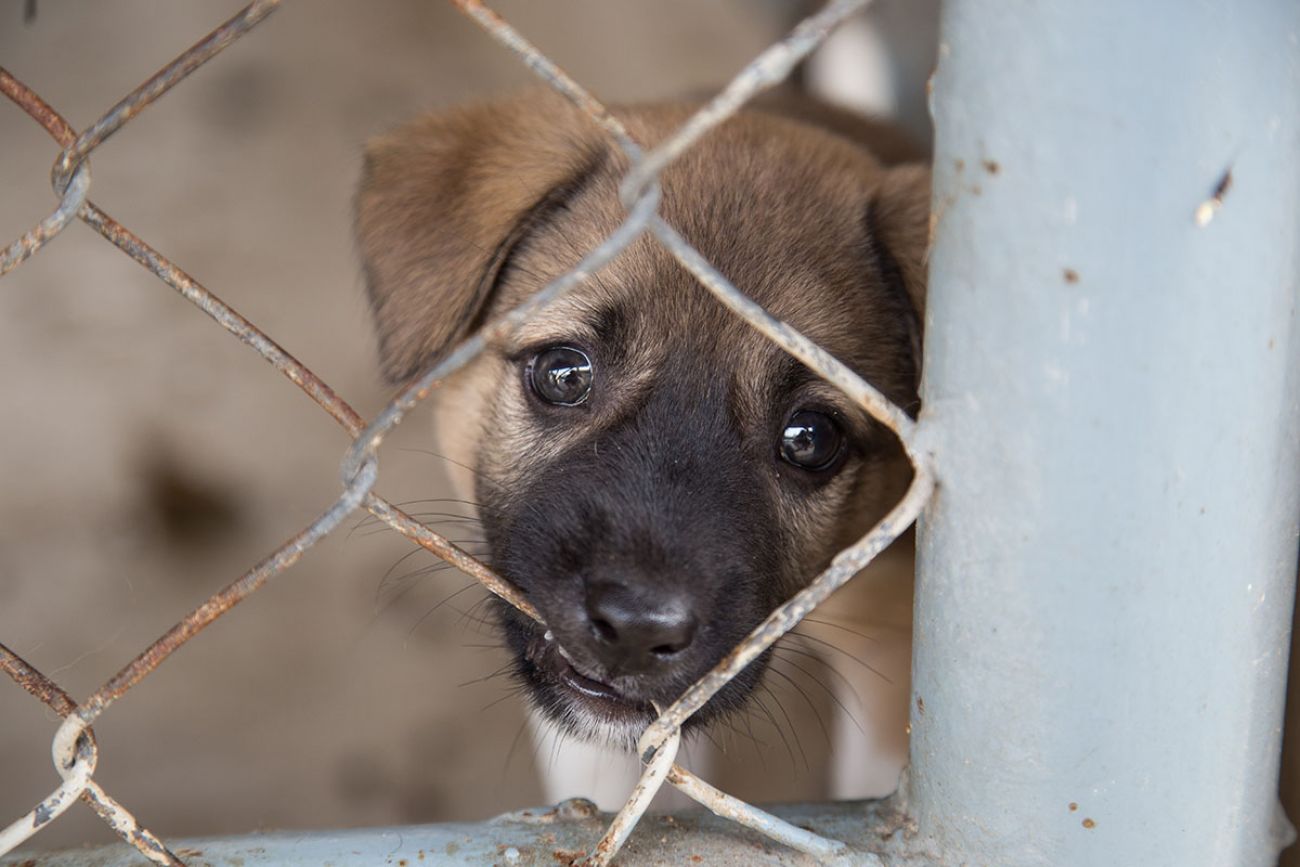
point(583, 705)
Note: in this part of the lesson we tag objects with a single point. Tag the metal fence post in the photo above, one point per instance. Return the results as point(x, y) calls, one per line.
point(1112, 397)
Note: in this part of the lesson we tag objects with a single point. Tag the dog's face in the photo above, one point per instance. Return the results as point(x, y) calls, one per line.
point(652, 473)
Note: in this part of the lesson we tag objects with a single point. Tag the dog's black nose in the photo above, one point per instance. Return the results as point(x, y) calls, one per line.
point(635, 629)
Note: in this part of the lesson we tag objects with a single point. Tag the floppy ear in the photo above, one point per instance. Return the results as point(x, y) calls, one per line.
point(443, 203)
point(899, 219)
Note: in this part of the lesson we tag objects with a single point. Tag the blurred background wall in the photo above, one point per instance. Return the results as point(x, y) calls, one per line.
point(147, 458)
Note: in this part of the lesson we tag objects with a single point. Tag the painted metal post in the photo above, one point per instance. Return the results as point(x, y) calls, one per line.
point(1112, 390)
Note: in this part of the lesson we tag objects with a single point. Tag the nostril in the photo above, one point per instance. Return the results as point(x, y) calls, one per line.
point(638, 628)
point(604, 631)
point(675, 635)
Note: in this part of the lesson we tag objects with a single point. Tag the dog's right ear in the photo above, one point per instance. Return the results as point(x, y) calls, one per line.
point(899, 216)
point(443, 203)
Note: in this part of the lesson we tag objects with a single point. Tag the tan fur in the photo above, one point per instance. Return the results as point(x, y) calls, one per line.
point(808, 211)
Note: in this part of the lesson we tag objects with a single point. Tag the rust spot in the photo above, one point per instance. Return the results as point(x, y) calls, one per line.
point(1073, 806)
point(1225, 184)
point(976, 189)
point(567, 857)
point(920, 705)
point(696, 858)
point(1206, 210)
point(991, 166)
point(1070, 275)
point(1089, 824)
point(402, 863)
point(576, 808)
point(1271, 343)
point(960, 165)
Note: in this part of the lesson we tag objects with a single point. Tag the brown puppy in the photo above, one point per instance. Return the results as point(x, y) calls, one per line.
point(653, 474)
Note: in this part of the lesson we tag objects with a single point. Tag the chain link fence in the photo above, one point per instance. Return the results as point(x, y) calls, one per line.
point(74, 748)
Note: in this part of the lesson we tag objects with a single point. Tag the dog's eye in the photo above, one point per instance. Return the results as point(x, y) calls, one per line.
point(811, 440)
point(561, 375)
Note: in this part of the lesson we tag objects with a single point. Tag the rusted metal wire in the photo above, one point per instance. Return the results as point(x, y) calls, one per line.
point(162, 81)
point(550, 72)
point(272, 352)
point(71, 176)
point(729, 807)
point(772, 66)
point(74, 748)
point(113, 813)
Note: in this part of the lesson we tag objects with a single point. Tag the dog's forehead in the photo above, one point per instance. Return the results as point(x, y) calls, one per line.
point(782, 217)
point(652, 301)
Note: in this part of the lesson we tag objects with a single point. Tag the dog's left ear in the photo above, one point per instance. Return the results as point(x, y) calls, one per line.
point(445, 200)
point(899, 219)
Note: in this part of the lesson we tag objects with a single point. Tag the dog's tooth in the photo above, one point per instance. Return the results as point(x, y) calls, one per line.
point(549, 636)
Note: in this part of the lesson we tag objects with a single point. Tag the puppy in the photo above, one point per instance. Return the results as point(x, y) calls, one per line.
point(653, 474)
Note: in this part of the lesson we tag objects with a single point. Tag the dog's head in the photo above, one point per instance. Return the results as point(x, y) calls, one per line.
point(652, 473)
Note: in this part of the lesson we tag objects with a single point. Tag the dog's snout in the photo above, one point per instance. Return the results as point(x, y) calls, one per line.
point(635, 631)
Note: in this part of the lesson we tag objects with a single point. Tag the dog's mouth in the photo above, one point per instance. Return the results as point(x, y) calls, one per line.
point(596, 702)
point(560, 668)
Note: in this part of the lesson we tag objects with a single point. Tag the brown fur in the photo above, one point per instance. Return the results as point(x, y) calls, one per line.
point(463, 215)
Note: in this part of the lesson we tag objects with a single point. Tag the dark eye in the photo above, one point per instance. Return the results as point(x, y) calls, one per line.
point(561, 375)
point(811, 440)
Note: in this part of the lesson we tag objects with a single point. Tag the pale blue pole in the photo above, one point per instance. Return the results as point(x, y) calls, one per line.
point(1112, 395)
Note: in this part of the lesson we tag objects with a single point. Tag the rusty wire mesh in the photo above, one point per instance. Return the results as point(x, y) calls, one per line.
point(74, 747)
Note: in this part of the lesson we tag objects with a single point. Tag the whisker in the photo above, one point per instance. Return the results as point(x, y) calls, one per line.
point(477, 472)
point(444, 518)
point(727, 723)
point(514, 745)
point(505, 669)
point(746, 716)
point(509, 695)
point(430, 612)
point(555, 750)
point(384, 528)
point(471, 503)
point(369, 519)
point(877, 672)
point(830, 692)
point(382, 606)
point(391, 569)
point(705, 731)
point(794, 732)
point(772, 719)
point(835, 625)
point(481, 620)
point(821, 723)
point(406, 580)
point(848, 684)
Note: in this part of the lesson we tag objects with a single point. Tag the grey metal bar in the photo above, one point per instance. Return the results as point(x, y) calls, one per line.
point(1112, 398)
point(554, 837)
